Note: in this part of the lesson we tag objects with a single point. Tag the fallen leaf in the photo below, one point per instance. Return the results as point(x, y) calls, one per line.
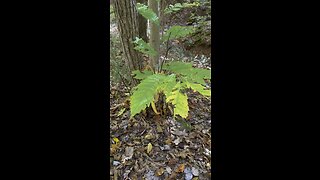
point(177, 141)
point(115, 175)
point(172, 161)
point(180, 168)
point(129, 152)
point(168, 141)
point(188, 174)
point(159, 172)
point(159, 129)
point(114, 148)
point(116, 163)
point(195, 171)
point(116, 140)
point(149, 136)
point(168, 169)
point(149, 148)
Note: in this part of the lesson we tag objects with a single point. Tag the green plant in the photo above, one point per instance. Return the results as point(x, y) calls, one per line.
point(177, 77)
point(170, 79)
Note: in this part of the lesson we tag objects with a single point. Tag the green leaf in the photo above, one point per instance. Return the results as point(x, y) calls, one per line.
point(144, 47)
point(180, 102)
point(146, 12)
point(177, 32)
point(178, 6)
point(199, 88)
point(144, 93)
point(191, 74)
point(142, 75)
point(198, 75)
point(168, 84)
point(178, 67)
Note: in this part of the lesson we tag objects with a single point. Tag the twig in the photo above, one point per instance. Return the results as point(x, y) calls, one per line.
point(166, 55)
point(123, 81)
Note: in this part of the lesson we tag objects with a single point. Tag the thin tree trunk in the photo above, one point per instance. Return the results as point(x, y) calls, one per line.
point(154, 34)
point(127, 21)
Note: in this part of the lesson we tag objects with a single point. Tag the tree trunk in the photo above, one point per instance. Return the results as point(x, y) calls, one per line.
point(142, 24)
point(154, 34)
point(127, 21)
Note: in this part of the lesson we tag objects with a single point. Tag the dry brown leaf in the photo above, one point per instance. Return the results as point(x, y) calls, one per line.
point(172, 161)
point(168, 141)
point(114, 148)
point(159, 129)
point(180, 168)
point(160, 171)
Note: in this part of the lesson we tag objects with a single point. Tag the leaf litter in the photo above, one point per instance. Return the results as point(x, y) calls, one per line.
point(141, 150)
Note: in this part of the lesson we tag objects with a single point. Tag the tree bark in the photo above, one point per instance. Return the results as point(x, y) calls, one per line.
point(128, 26)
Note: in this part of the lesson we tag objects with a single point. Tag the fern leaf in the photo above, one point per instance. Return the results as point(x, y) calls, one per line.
point(178, 67)
point(195, 75)
point(147, 13)
point(180, 102)
point(142, 75)
point(178, 6)
point(199, 88)
point(144, 47)
point(144, 93)
point(168, 84)
point(177, 32)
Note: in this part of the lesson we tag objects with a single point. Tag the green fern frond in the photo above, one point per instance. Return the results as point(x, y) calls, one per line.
point(178, 67)
point(191, 74)
point(197, 75)
point(177, 32)
point(147, 13)
point(144, 47)
point(199, 88)
point(180, 102)
point(178, 6)
point(145, 92)
point(168, 84)
point(142, 75)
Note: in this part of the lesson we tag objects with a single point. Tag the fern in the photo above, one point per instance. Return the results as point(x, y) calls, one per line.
point(141, 75)
point(144, 47)
point(175, 32)
point(178, 75)
point(180, 102)
point(145, 92)
point(198, 88)
point(168, 84)
point(147, 13)
point(178, 6)
point(195, 75)
point(184, 76)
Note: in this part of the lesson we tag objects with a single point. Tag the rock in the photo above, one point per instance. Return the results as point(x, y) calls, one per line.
point(195, 171)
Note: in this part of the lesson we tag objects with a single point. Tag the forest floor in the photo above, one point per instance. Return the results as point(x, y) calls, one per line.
point(178, 151)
